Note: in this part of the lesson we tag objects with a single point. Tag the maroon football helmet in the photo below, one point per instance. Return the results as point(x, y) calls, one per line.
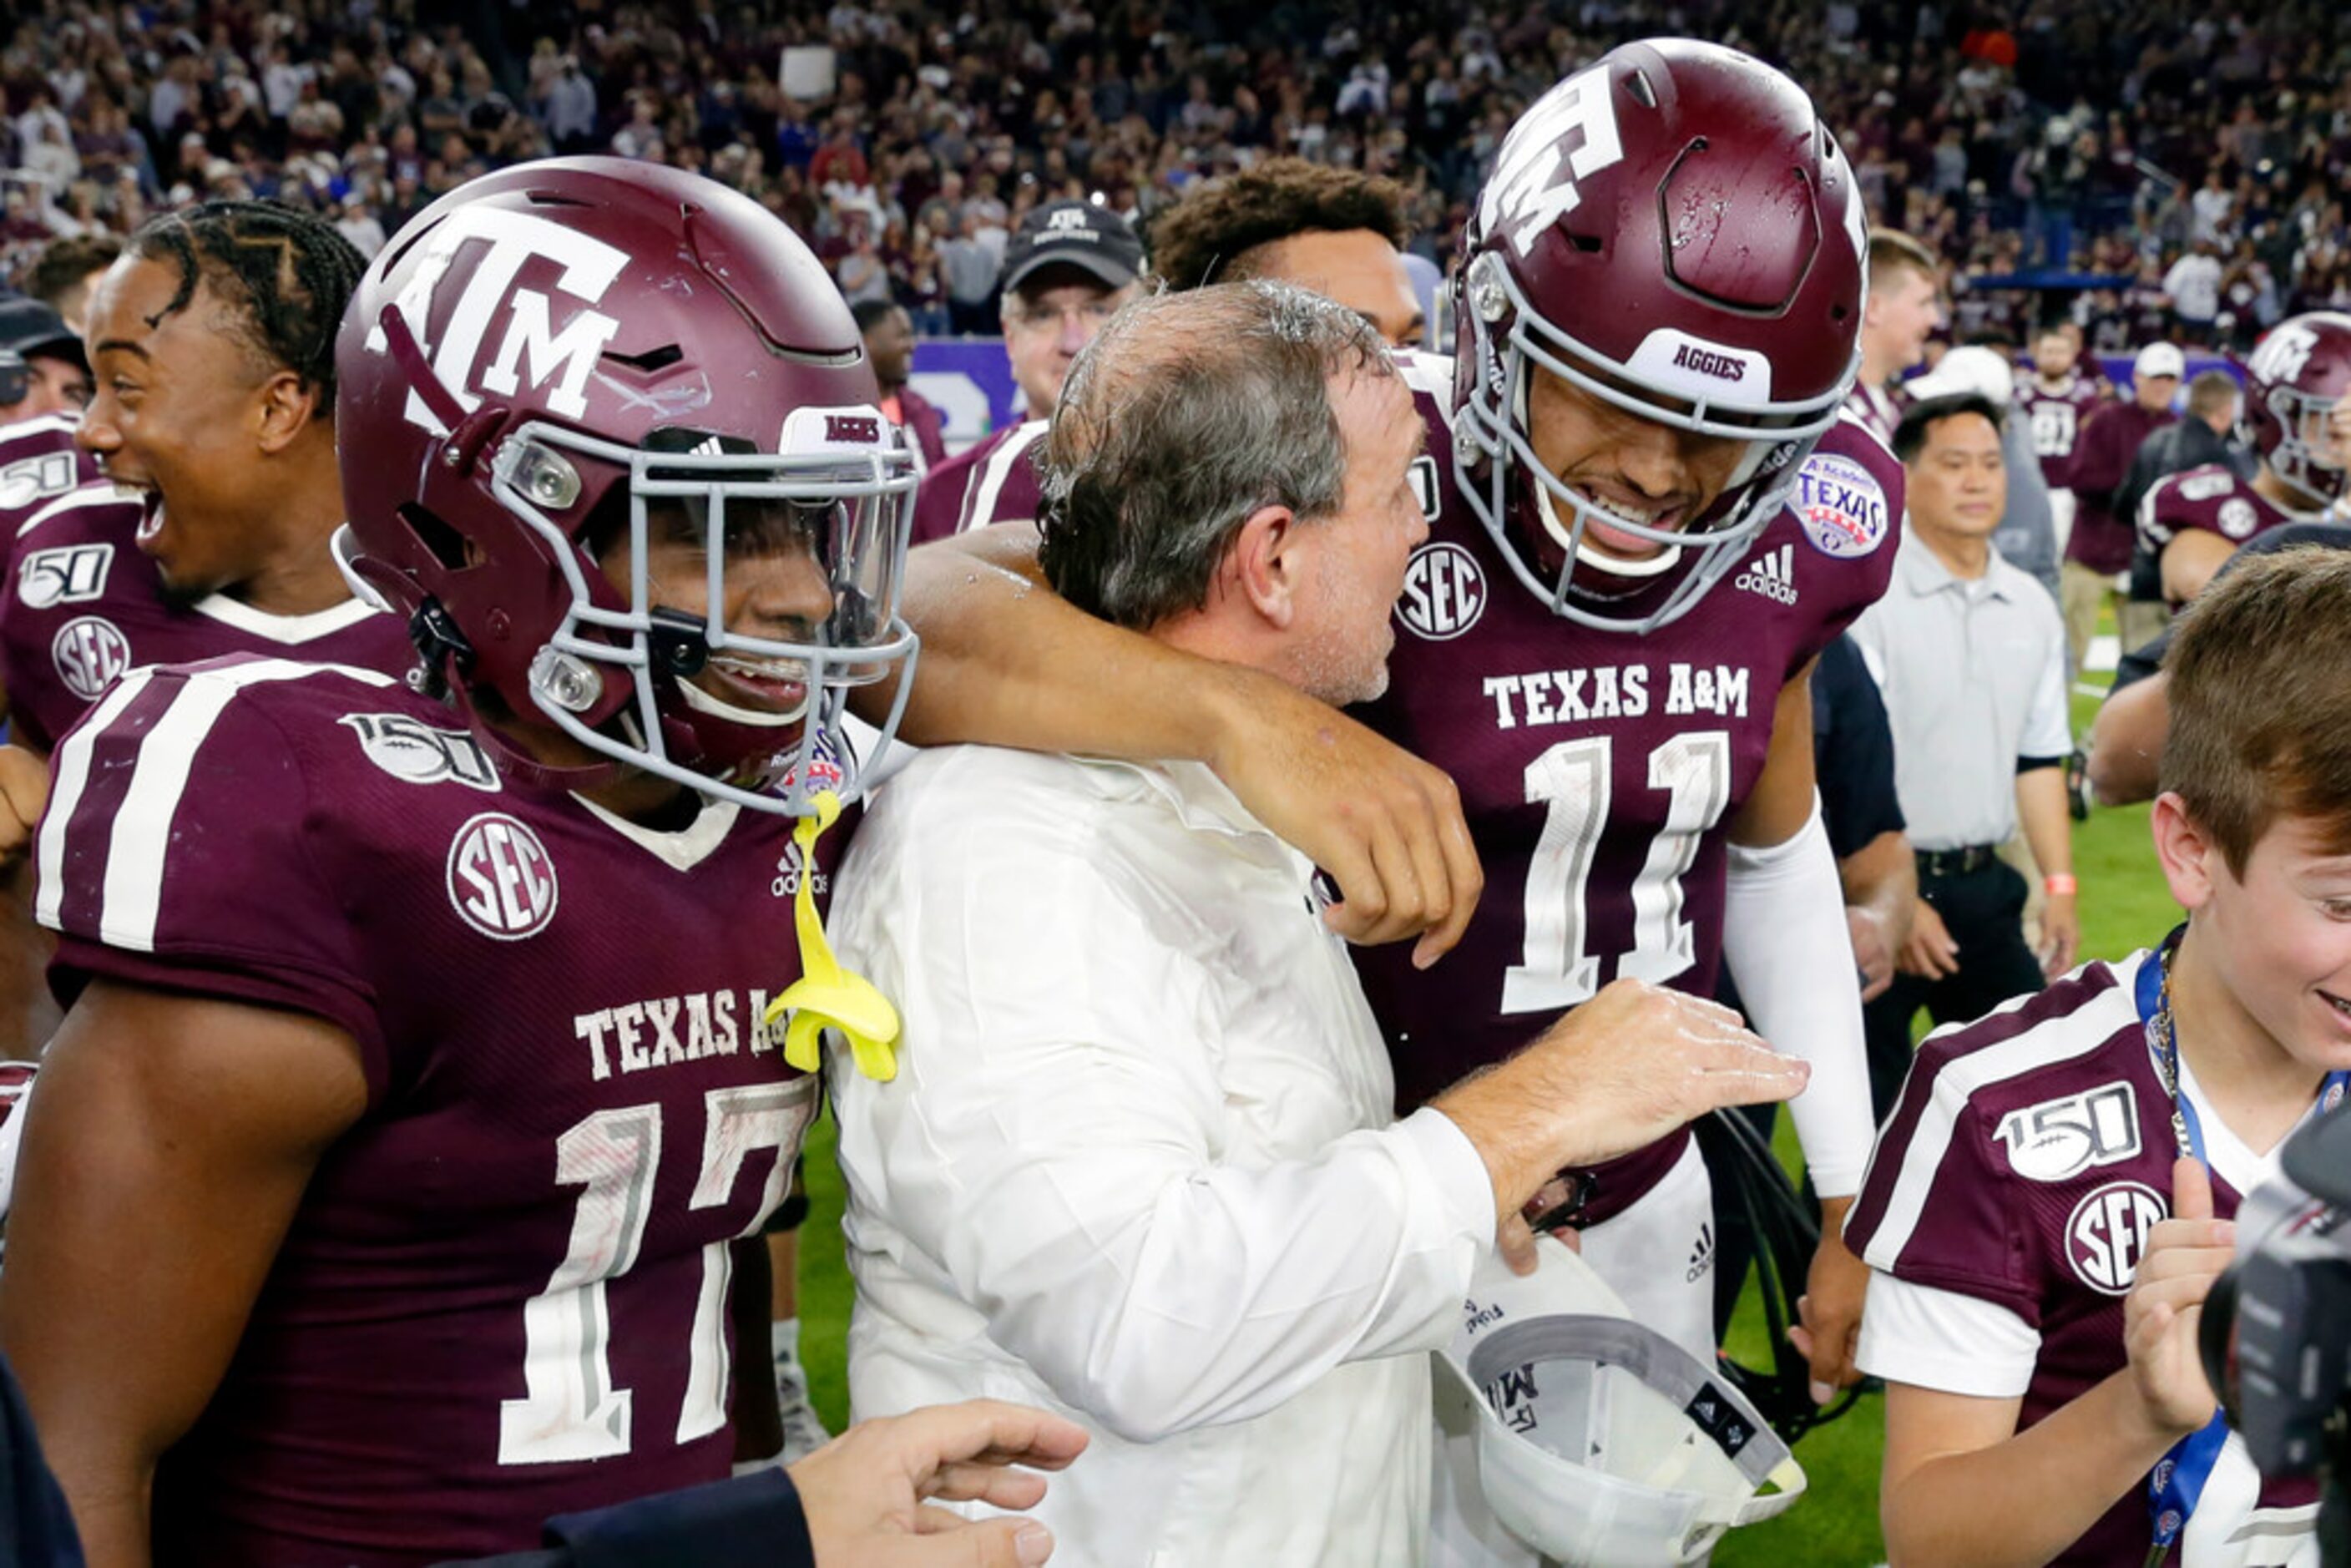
point(2298, 372)
point(1674, 230)
point(549, 355)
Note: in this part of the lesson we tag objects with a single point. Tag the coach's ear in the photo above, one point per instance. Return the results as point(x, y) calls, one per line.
point(2191, 861)
point(1265, 565)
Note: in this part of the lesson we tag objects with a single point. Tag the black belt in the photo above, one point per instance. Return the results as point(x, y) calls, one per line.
point(1956, 863)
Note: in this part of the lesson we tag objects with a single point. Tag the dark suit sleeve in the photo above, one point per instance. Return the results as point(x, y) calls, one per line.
point(36, 1529)
point(1852, 751)
point(751, 1522)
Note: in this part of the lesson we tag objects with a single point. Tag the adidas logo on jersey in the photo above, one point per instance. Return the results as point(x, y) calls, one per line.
point(1772, 574)
point(1701, 1258)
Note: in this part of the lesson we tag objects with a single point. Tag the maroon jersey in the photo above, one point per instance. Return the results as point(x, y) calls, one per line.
point(993, 481)
point(2210, 500)
point(39, 463)
point(504, 1295)
point(81, 604)
point(925, 425)
point(2057, 419)
point(2024, 1165)
point(1598, 770)
point(2102, 459)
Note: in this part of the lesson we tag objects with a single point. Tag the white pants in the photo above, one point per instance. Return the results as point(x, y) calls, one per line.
point(1658, 1255)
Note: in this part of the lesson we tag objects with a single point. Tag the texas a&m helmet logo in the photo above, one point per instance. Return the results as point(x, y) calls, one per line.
point(528, 345)
point(1444, 592)
point(500, 880)
point(2107, 1232)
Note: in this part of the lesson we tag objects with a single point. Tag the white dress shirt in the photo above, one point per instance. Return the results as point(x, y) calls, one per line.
point(1139, 1165)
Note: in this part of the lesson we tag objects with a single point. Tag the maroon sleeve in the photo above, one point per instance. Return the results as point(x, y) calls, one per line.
point(1936, 1206)
point(181, 851)
point(2104, 455)
point(1858, 581)
point(938, 505)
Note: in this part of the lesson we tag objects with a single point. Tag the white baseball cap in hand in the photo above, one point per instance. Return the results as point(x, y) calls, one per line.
point(1601, 1443)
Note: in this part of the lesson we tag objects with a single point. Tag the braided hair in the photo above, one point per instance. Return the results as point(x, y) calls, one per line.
point(284, 274)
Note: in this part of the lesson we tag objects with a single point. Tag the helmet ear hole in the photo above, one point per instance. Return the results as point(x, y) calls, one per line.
point(438, 539)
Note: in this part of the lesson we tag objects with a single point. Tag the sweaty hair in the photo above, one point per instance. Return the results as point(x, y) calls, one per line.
point(2260, 670)
point(1185, 415)
point(1209, 236)
point(1892, 251)
point(64, 266)
point(1920, 418)
point(284, 274)
point(2209, 392)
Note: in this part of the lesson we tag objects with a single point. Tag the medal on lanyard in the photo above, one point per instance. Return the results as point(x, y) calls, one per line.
point(2177, 1482)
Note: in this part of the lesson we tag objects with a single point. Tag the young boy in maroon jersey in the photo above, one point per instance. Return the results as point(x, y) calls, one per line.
point(2052, 1196)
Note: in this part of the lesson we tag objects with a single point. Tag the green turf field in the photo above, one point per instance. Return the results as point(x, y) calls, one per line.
point(2123, 905)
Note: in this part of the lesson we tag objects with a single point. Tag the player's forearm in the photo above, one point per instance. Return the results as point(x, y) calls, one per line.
point(1005, 662)
point(2126, 742)
point(109, 1504)
point(2052, 1482)
point(2190, 561)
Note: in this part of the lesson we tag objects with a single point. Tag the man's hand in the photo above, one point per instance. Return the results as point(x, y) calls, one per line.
point(867, 1494)
point(1615, 1076)
point(2183, 1256)
point(1830, 1307)
point(1386, 825)
point(1873, 955)
point(1930, 953)
point(2061, 934)
point(24, 791)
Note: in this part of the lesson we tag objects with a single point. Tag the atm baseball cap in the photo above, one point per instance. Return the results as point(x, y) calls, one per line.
point(1077, 233)
point(1601, 1443)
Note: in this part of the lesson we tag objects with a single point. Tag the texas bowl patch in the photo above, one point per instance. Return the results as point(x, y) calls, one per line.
point(1841, 505)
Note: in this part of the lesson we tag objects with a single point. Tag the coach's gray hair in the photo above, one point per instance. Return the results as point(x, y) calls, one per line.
point(1184, 416)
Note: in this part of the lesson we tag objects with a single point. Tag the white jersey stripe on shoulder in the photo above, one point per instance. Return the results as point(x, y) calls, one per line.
point(997, 470)
point(39, 424)
point(70, 772)
point(71, 501)
point(133, 893)
point(2055, 1040)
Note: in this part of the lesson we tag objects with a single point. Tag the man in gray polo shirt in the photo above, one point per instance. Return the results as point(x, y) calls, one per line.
point(1970, 655)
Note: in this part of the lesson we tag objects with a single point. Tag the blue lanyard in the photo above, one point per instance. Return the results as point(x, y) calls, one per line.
point(2177, 1482)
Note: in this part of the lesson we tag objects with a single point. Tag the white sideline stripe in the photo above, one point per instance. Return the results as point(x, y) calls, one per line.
point(997, 470)
point(72, 770)
point(2104, 653)
point(2076, 1034)
point(133, 893)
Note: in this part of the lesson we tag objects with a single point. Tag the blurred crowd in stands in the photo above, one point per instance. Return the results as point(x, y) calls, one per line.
point(2197, 199)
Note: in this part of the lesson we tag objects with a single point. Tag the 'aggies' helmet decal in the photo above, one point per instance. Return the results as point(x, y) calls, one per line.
point(2296, 374)
point(536, 356)
point(1674, 230)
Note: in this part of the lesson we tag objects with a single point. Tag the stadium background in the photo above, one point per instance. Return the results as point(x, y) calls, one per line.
point(2150, 168)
